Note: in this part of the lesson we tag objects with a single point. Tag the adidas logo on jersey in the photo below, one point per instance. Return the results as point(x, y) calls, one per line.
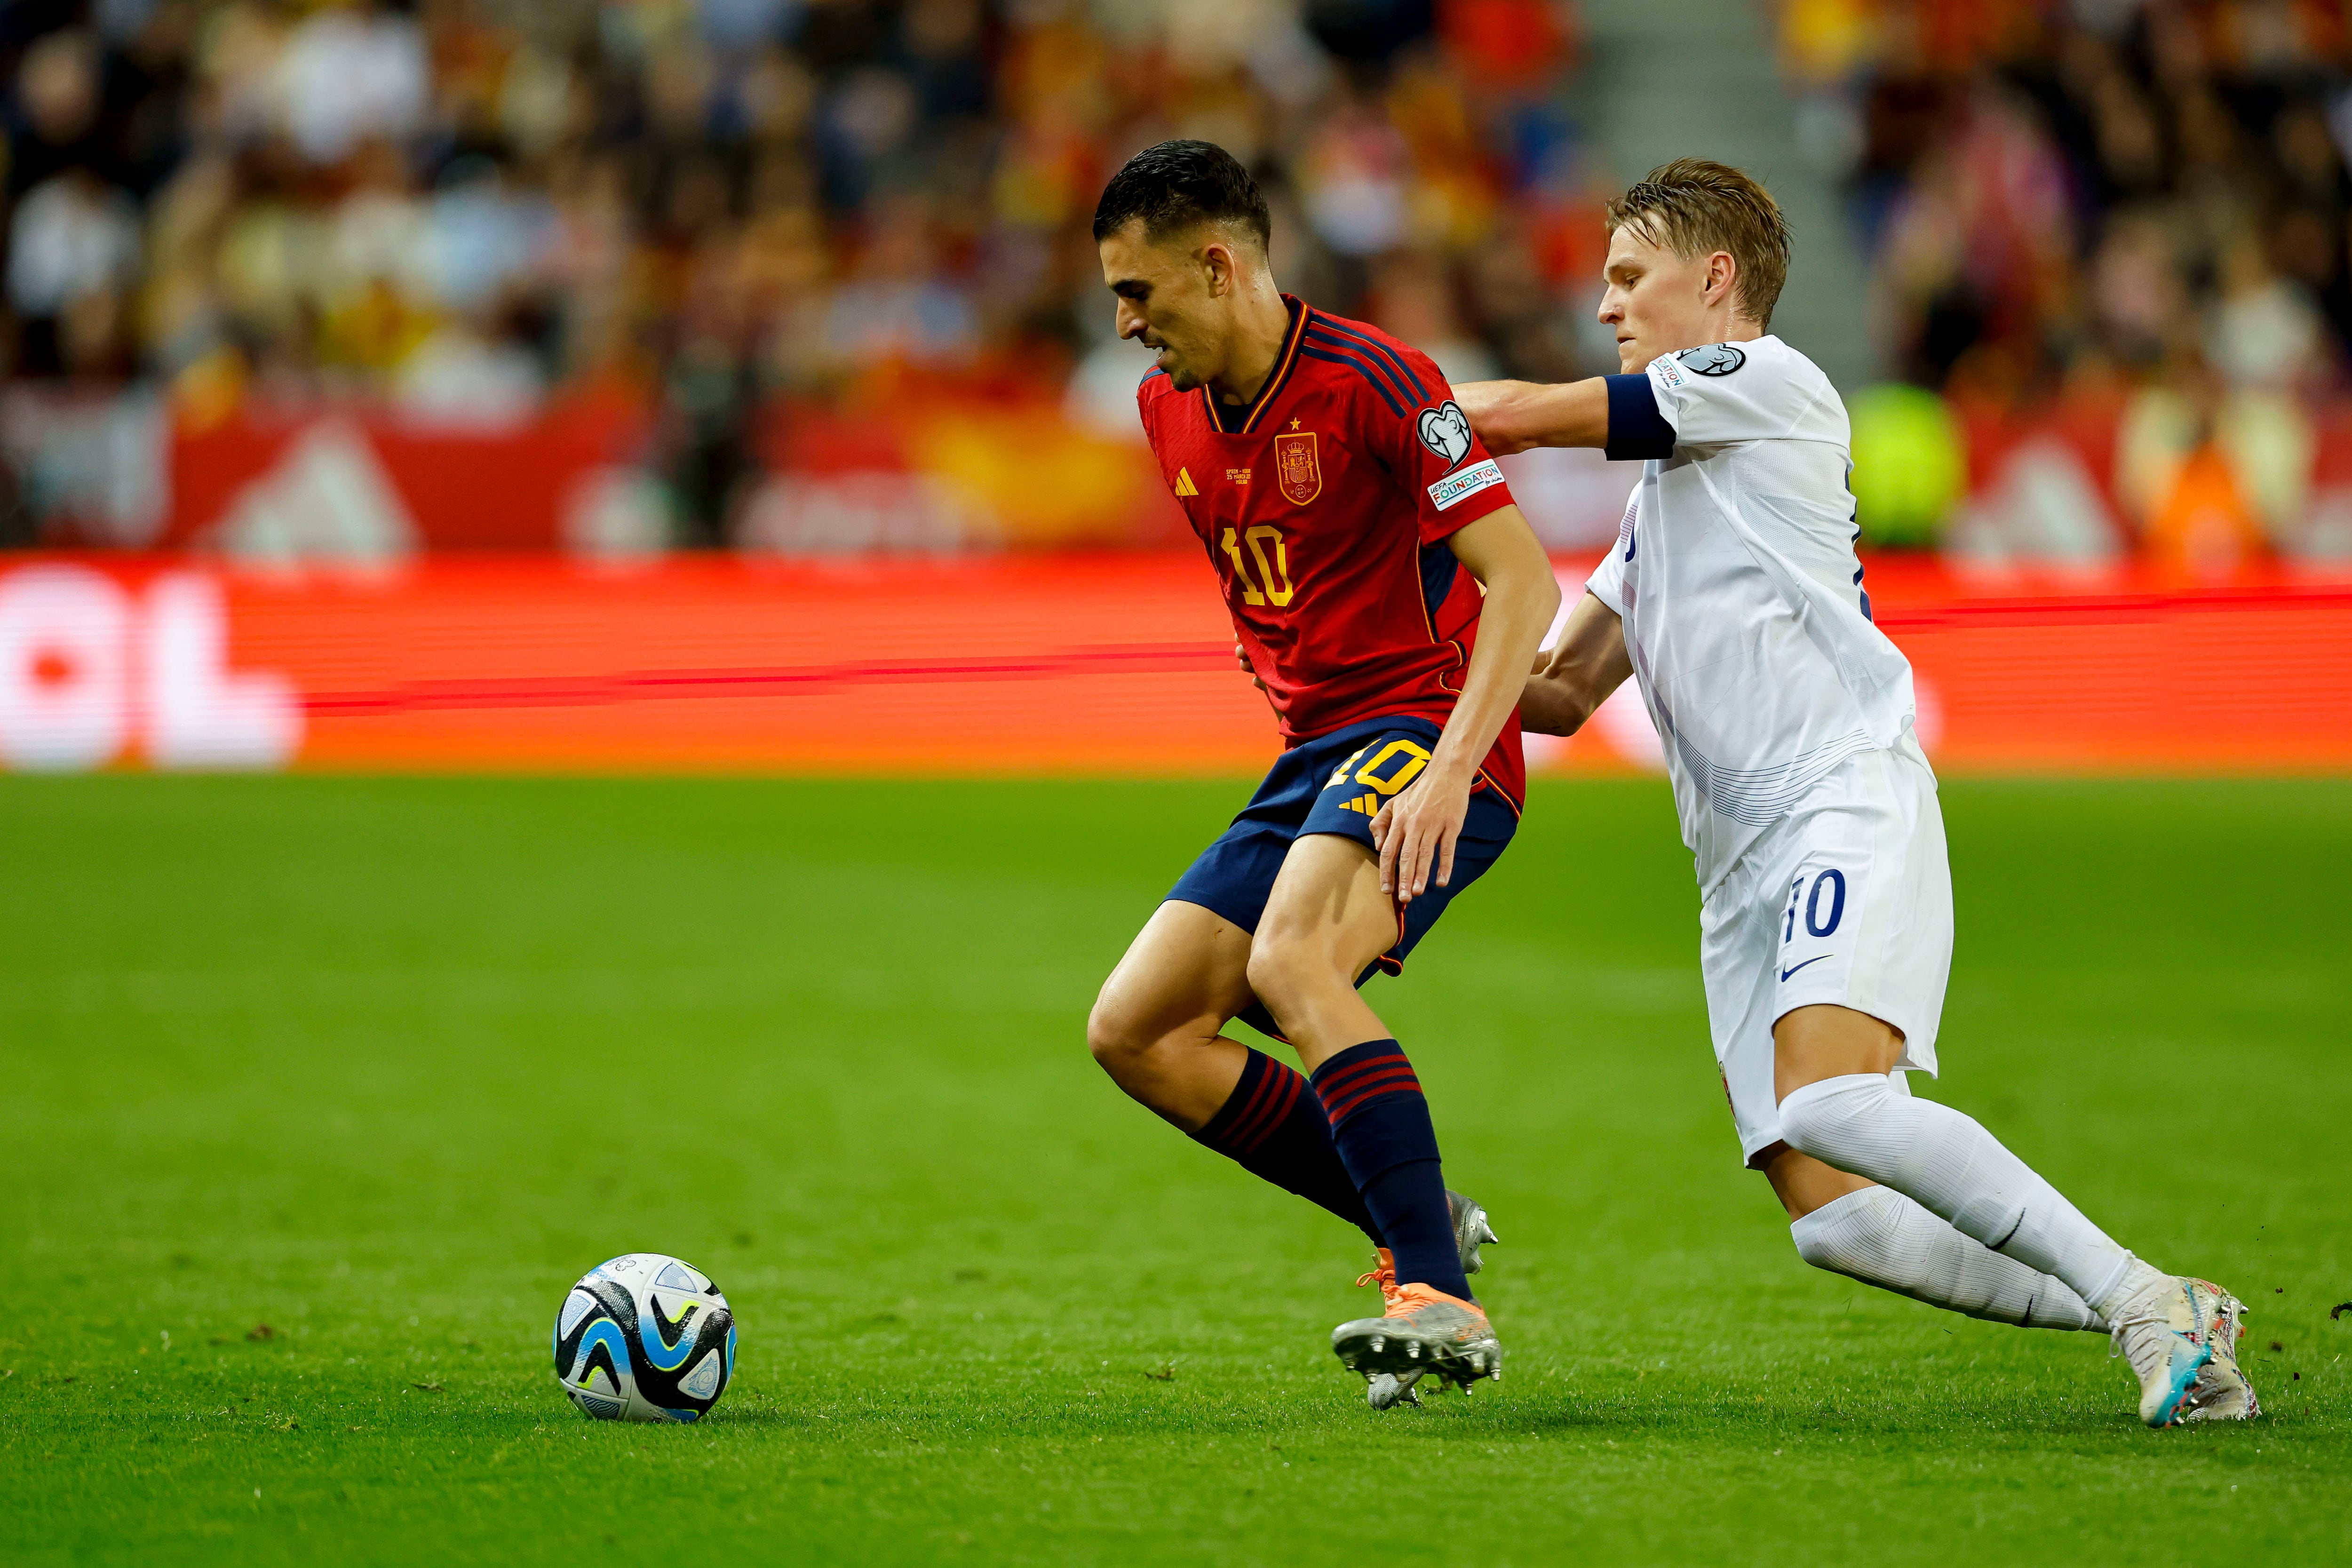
point(1184, 485)
point(1369, 805)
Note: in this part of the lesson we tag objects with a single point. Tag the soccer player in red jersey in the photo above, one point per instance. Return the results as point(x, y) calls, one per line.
point(1389, 599)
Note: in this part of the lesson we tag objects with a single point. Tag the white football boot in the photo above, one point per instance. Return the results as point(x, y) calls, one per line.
point(2222, 1391)
point(2180, 1335)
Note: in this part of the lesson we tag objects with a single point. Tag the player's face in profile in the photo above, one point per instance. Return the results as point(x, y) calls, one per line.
point(1656, 302)
point(1166, 302)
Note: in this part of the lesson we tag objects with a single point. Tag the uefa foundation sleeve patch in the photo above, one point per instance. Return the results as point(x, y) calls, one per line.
point(1468, 482)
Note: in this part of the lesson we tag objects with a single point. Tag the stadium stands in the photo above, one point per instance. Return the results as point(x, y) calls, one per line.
point(2113, 238)
point(728, 230)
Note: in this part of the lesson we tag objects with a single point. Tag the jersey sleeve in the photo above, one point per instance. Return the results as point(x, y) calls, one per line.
point(1425, 440)
point(1610, 580)
point(1722, 392)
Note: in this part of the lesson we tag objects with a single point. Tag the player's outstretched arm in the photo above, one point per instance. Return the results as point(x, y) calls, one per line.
point(1415, 831)
point(1513, 415)
point(1582, 668)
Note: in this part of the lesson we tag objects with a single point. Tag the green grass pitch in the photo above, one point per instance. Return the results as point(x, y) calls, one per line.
point(384, 1065)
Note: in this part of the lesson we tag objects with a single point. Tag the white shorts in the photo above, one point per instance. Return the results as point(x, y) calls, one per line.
point(1847, 900)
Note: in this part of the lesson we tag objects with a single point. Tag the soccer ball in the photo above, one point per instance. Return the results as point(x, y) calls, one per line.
point(644, 1337)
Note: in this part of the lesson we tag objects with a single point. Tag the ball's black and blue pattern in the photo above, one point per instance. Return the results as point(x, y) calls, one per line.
point(644, 1337)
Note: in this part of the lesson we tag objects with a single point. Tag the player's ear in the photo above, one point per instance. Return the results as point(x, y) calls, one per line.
point(1722, 273)
point(1217, 259)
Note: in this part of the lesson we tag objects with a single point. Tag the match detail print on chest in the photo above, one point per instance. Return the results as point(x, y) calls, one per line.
point(1259, 552)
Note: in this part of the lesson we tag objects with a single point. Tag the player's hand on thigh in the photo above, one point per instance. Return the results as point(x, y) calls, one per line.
point(1415, 833)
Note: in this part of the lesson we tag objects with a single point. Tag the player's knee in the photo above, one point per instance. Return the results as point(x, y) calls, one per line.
point(1281, 972)
point(1815, 1246)
point(1123, 1036)
point(1854, 1235)
point(1115, 1037)
point(1819, 1119)
point(1805, 1124)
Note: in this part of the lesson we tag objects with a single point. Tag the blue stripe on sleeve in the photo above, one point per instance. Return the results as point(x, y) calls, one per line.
point(1636, 429)
point(1373, 366)
point(1361, 368)
point(1420, 393)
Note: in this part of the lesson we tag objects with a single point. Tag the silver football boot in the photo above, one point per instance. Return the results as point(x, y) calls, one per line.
point(1423, 1330)
point(1471, 1230)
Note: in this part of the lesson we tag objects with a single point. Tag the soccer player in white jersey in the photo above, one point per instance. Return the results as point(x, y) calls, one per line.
point(1734, 598)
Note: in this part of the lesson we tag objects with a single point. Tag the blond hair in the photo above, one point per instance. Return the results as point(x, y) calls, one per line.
point(1695, 207)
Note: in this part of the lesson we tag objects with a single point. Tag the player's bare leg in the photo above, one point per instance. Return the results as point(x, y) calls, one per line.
point(1326, 922)
point(1157, 1026)
point(1832, 1068)
point(1156, 1029)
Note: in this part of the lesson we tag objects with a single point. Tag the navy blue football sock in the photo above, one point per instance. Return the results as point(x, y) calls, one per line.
point(1380, 1124)
point(1275, 1129)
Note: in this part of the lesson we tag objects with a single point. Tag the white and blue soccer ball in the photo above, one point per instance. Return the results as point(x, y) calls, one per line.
point(644, 1337)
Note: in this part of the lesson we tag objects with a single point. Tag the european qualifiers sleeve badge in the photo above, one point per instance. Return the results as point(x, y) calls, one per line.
point(1715, 359)
point(1445, 430)
point(1297, 472)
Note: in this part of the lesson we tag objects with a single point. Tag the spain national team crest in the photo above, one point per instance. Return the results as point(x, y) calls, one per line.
point(1296, 473)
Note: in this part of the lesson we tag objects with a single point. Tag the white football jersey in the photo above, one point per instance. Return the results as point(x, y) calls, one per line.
point(1743, 609)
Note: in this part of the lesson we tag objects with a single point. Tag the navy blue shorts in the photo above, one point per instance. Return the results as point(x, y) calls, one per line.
point(1335, 784)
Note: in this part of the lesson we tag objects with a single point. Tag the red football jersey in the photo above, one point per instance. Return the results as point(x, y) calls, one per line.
point(1325, 506)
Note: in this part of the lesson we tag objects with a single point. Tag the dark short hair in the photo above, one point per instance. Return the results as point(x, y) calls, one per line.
point(1694, 208)
point(1176, 184)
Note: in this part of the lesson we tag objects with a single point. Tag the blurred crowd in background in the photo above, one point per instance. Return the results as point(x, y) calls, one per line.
point(788, 231)
point(815, 275)
point(2108, 240)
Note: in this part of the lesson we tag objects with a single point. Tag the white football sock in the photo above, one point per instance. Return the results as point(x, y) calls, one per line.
point(1881, 1238)
point(1955, 1169)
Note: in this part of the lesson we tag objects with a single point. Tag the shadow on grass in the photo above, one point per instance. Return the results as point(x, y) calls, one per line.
point(1321, 1419)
